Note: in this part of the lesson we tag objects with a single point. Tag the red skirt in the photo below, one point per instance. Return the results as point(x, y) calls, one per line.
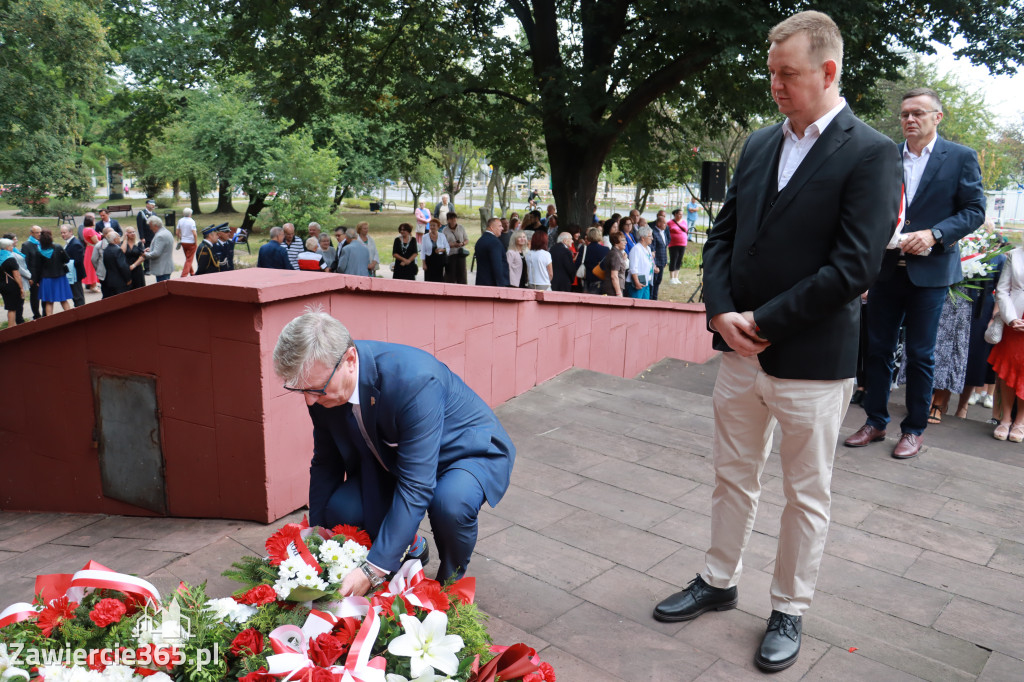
point(1007, 359)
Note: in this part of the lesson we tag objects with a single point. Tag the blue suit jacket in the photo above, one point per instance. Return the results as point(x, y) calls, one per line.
point(423, 421)
point(273, 255)
point(660, 247)
point(949, 197)
point(491, 266)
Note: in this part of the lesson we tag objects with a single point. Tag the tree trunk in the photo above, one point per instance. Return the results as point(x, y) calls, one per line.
point(193, 195)
point(504, 195)
point(257, 200)
point(338, 194)
point(224, 197)
point(492, 182)
point(636, 198)
point(575, 170)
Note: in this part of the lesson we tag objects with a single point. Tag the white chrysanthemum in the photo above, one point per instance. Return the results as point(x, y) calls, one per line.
point(331, 551)
point(285, 587)
point(312, 580)
point(119, 673)
point(336, 573)
point(228, 609)
point(291, 566)
point(307, 574)
point(354, 550)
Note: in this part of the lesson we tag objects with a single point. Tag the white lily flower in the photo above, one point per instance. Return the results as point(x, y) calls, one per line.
point(428, 676)
point(427, 644)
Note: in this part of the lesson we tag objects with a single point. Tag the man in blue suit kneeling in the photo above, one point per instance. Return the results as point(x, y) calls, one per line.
point(396, 436)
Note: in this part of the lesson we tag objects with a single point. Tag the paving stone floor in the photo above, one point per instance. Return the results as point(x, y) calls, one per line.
point(608, 512)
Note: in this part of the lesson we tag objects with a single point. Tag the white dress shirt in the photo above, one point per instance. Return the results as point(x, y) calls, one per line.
point(913, 167)
point(795, 149)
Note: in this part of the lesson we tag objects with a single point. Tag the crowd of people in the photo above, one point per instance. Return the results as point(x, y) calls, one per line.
point(621, 256)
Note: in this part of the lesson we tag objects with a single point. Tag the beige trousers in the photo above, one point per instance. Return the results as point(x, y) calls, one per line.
point(747, 405)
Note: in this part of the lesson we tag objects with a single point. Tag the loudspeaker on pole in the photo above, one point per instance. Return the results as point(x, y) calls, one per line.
point(712, 181)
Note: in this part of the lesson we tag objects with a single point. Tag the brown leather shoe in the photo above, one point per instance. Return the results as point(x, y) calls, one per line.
point(866, 434)
point(909, 446)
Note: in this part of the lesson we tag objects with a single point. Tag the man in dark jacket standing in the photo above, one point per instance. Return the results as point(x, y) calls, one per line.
point(76, 252)
point(273, 254)
point(491, 266)
point(119, 275)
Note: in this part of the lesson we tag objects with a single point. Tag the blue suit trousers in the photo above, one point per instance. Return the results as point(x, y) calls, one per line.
point(453, 514)
point(894, 302)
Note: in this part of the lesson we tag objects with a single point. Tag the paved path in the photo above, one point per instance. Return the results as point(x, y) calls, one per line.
point(608, 512)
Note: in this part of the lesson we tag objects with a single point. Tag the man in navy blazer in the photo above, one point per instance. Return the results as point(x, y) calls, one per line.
point(800, 236)
point(396, 435)
point(944, 202)
point(491, 266)
point(273, 254)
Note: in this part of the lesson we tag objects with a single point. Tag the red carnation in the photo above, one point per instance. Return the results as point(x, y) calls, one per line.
point(257, 596)
point(260, 675)
point(325, 649)
point(354, 534)
point(545, 674)
point(58, 610)
point(107, 611)
point(249, 642)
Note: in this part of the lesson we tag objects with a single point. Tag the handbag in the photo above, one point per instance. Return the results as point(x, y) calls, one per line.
point(994, 332)
point(599, 272)
point(581, 271)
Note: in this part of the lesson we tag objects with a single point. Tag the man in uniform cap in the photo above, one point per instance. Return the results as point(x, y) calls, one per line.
point(225, 248)
point(142, 225)
point(208, 260)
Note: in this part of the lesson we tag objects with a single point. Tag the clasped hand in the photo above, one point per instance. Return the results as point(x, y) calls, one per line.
point(740, 332)
point(917, 243)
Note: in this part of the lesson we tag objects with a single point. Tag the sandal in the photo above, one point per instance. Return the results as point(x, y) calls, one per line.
point(1016, 434)
point(936, 416)
point(1002, 432)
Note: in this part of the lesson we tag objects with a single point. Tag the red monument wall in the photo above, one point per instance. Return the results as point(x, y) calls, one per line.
point(233, 443)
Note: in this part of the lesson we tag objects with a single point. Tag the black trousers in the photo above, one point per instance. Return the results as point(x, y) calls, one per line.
point(33, 300)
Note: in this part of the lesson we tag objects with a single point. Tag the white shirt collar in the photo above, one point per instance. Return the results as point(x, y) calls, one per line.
point(927, 151)
point(354, 400)
point(818, 126)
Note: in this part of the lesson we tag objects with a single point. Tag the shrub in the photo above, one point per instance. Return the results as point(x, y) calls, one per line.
point(57, 206)
point(165, 202)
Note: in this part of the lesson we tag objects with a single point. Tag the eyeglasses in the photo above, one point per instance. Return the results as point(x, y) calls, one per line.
point(918, 115)
point(317, 391)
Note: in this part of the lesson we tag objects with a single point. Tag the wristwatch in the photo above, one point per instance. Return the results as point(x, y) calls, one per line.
point(937, 234)
point(371, 575)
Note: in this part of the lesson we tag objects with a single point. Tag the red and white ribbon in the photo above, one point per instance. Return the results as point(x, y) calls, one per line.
point(408, 583)
point(291, 652)
point(358, 666)
point(15, 613)
point(349, 607)
point(93, 576)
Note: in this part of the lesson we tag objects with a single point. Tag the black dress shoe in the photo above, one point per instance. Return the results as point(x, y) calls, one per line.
point(697, 598)
point(781, 643)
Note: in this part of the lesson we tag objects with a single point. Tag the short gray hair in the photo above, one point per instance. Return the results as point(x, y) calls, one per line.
point(111, 236)
point(644, 231)
point(187, 212)
point(926, 92)
point(564, 238)
point(312, 244)
point(352, 233)
point(276, 230)
point(6, 244)
point(154, 220)
point(313, 338)
point(312, 225)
